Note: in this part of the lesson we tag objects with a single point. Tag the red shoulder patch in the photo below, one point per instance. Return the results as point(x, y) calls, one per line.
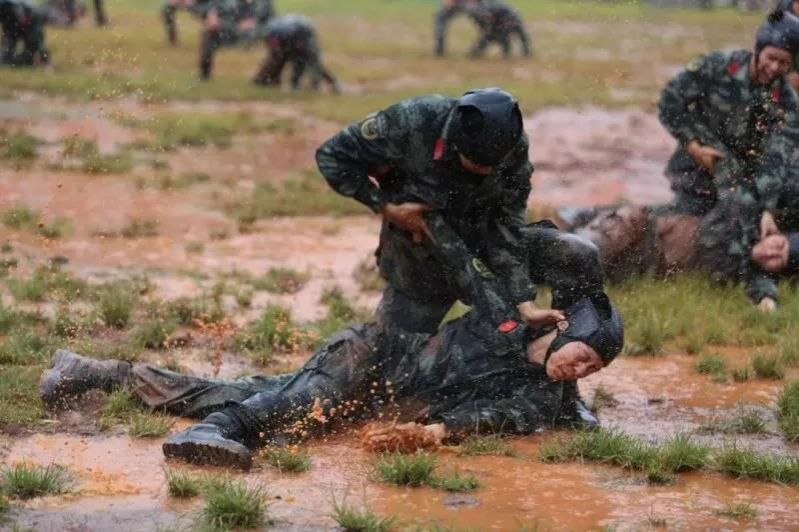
point(776, 94)
point(508, 326)
point(733, 68)
point(438, 151)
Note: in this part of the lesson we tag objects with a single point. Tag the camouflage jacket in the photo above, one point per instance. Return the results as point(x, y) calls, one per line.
point(496, 19)
point(290, 32)
point(405, 149)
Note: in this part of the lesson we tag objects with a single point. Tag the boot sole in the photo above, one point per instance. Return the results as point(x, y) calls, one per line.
point(206, 454)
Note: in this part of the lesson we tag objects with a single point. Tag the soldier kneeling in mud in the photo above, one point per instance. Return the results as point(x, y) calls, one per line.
point(484, 372)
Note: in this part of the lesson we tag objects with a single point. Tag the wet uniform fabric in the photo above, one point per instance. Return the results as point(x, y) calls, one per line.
point(405, 149)
point(231, 14)
point(471, 375)
point(292, 40)
point(498, 24)
point(23, 40)
point(169, 14)
point(714, 102)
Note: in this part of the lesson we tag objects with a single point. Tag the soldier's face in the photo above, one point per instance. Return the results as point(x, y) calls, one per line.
point(573, 361)
point(472, 167)
point(772, 63)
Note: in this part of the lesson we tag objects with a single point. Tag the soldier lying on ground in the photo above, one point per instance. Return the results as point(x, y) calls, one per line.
point(471, 376)
point(448, 10)
point(292, 39)
point(169, 13)
point(460, 163)
point(498, 24)
point(737, 123)
point(230, 23)
point(22, 42)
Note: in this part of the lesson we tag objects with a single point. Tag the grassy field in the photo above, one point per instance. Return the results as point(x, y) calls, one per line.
point(601, 53)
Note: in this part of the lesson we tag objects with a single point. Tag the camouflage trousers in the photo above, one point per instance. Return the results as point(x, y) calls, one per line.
point(226, 35)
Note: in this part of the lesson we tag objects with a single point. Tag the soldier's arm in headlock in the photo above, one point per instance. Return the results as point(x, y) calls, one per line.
point(507, 254)
point(361, 150)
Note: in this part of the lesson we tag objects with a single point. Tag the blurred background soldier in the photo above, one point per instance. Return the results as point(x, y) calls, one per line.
point(63, 12)
point(292, 39)
point(231, 23)
point(22, 25)
point(73, 9)
point(498, 24)
point(169, 12)
point(448, 10)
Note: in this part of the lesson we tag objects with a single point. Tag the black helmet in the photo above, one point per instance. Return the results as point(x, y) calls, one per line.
point(781, 30)
point(486, 125)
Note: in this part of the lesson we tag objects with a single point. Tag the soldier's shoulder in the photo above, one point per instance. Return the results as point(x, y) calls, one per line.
point(414, 112)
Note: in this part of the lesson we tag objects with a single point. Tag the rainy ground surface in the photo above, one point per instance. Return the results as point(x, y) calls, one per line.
point(182, 193)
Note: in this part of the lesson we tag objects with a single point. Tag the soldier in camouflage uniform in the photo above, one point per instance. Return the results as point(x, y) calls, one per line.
point(498, 24)
point(22, 24)
point(169, 12)
point(231, 23)
point(462, 163)
point(737, 123)
point(449, 9)
point(472, 376)
point(292, 39)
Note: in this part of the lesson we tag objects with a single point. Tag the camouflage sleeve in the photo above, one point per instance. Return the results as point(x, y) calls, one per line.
point(530, 408)
point(507, 255)
point(360, 150)
point(778, 155)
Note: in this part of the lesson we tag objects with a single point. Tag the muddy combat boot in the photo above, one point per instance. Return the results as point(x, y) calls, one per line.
point(73, 375)
point(208, 443)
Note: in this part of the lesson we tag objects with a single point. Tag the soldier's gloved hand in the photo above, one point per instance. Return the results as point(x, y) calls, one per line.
point(704, 156)
point(771, 253)
point(408, 217)
point(539, 317)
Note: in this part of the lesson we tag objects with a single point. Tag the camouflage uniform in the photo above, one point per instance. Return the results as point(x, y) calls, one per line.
point(756, 127)
point(405, 148)
point(21, 21)
point(292, 39)
point(169, 12)
point(472, 375)
point(449, 9)
point(498, 24)
point(231, 14)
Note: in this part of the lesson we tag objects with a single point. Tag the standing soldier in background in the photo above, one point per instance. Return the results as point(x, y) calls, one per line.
point(292, 39)
point(22, 23)
point(169, 12)
point(498, 24)
point(99, 12)
point(230, 23)
point(448, 10)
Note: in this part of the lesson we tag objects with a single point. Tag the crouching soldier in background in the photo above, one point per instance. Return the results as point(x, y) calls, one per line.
point(498, 24)
point(169, 14)
point(448, 10)
point(22, 42)
point(230, 23)
point(292, 39)
point(472, 376)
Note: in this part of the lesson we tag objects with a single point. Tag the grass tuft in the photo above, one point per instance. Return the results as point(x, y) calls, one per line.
point(183, 485)
point(231, 504)
point(404, 469)
point(492, 445)
point(743, 510)
point(353, 520)
point(18, 146)
point(455, 482)
point(115, 304)
point(282, 281)
point(680, 453)
point(146, 425)
point(710, 365)
point(768, 367)
point(285, 459)
point(26, 481)
point(788, 411)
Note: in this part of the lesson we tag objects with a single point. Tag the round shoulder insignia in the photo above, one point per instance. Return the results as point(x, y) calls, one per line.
point(482, 269)
point(695, 63)
point(370, 127)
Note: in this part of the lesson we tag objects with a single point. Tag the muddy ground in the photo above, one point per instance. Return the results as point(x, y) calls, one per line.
point(582, 156)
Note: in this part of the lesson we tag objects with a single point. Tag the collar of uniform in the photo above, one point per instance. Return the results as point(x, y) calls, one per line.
point(738, 65)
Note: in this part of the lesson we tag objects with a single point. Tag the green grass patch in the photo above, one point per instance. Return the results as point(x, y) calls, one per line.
point(24, 347)
point(21, 217)
point(710, 364)
point(281, 281)
point(20, 404)
point(120, 407)
point(26, 481)
point(140, 228)
point(56, 229)
point(193, 129)
point(48, 280)
point(352, 519)
point(234, 504)
point(491, 445)
point(285, 459)
point(115, 303)
point(748, 421)
point(749, 464)
point(788, 411)
point(368, 277)
point(680, 453)
point(741, 510)
point(404, 469)
point(455, 482)
point(274, 332)
point(195, 311)
point(602, 398)
point(147, 425)
point(18, 146)
point(768, 367)
point(153, 333)
point(182, 485)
